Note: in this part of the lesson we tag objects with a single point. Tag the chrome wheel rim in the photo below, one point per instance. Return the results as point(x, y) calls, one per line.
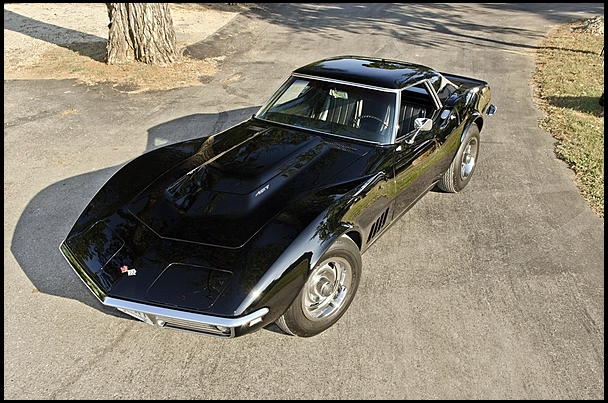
point(469, 158)
point(326, 290)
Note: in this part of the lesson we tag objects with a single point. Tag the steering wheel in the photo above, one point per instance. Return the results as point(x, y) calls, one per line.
point(384, 124)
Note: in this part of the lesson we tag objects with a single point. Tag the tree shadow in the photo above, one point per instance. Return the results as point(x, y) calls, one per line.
point(584, 104)
point(84, 44)
point(450, 24)
point(50, 214)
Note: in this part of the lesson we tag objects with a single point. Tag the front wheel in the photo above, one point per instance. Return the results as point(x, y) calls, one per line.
point(462, 167)
point(327, 293)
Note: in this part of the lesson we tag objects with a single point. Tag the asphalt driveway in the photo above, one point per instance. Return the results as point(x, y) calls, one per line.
point(493, 293)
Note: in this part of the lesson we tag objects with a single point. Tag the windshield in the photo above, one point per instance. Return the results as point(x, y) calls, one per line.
point(333, 108)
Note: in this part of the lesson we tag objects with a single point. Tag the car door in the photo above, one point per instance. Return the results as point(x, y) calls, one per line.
point(414, 173)
point(415, 150)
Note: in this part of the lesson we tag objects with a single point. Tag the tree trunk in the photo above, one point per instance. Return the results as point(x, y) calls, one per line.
point(141, 32)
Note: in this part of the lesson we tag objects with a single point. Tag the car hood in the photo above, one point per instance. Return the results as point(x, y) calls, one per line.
point(238, 181)
point(172, 226)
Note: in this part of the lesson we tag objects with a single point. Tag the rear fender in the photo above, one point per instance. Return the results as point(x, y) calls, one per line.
point(474, 119)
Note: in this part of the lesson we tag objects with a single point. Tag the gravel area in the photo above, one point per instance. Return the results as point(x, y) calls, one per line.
point(33, 30)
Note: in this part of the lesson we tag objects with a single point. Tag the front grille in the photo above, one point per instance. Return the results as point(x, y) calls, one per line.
point(174, 323)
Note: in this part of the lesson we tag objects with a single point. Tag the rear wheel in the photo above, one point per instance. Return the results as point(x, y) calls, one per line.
point(327, 293)
point(464, 163)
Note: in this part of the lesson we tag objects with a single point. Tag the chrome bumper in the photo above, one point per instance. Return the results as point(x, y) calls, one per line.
point(187, 321)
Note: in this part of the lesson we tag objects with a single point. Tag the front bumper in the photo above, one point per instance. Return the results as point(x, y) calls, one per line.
point(166, 317)
point(188, 321)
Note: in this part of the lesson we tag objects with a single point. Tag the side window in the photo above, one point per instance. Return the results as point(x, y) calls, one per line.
point(444, 87)
point(416, 102)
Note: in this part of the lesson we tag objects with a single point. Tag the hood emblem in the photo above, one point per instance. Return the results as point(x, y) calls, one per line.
point(130, 272)
point(262, 190)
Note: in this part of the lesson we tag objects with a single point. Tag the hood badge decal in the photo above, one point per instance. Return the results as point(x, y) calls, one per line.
point(130, 272)
point(262, 190)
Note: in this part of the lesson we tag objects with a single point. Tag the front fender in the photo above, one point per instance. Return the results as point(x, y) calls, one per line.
point(280, 284)
point(133, 177)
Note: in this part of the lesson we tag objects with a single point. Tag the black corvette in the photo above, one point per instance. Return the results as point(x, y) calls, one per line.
point(266, 221)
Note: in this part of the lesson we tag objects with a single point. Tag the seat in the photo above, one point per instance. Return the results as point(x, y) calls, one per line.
point(374, 116)
point(408, 114)
point(340, 110)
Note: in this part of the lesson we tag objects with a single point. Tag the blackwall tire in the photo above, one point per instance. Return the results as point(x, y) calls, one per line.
point(463, 166)
point(327, 293)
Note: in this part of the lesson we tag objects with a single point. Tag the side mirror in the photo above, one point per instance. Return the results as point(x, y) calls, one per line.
point(491, 110)
point(421, 125)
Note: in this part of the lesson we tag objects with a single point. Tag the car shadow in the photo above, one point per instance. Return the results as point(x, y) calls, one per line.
point(50, 214)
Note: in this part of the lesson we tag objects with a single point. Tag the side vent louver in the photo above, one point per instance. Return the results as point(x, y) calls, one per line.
point(378, 225)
